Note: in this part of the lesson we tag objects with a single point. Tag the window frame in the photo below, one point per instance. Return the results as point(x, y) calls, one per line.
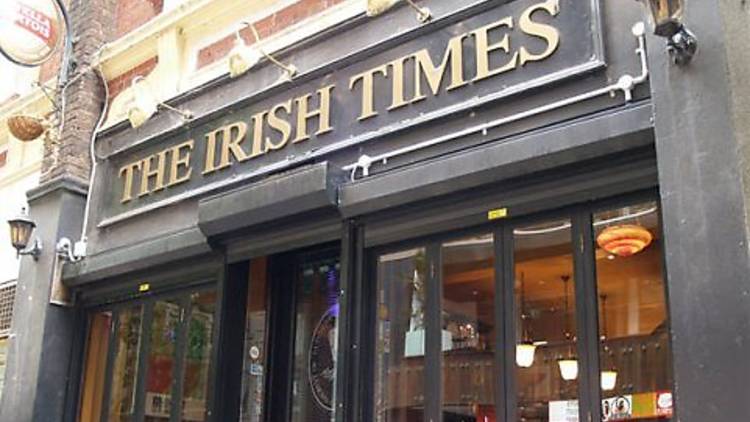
point(146, 303)
point(586, 296)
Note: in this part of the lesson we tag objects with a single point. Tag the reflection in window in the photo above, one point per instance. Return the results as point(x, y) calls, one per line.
point(199, 345)
point(468, 330)
point(125, 366)
point(161, 355)
point(400, 339)
point(546, 355)
point(635, 359)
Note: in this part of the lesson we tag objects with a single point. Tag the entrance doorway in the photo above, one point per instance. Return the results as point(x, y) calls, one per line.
point(289, 363)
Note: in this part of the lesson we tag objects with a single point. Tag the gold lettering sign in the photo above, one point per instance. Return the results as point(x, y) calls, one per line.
point(416, 77)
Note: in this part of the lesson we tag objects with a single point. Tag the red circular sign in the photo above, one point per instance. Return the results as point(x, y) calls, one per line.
point(30, 30)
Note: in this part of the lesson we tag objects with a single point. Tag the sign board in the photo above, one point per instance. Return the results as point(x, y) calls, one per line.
point(486, 58)
point(30, 30)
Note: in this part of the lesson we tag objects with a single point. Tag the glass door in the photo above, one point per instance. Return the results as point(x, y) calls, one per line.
point(291, 337)
point(315, 338)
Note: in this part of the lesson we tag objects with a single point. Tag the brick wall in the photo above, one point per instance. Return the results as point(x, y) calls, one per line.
point(68, 156)
point(122, 82)
point(130, 14)
point(272, 24)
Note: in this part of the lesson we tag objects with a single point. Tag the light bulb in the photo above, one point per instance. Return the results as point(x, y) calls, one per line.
point(525, 354)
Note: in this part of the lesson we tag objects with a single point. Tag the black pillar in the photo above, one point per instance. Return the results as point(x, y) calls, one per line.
point(44, 336)
point(702, 172)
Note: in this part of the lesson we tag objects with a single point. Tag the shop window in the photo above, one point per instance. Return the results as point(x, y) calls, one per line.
point(150, 361)
point(160, 375)
point(468, 329)
point(125, 366)
point(197, 360)
point(512, 318)
point(547, 362)
point(636, 374)
point(401, 332)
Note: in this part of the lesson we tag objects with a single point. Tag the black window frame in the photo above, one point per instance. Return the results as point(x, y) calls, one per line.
point(586, 296)
point(146, 303)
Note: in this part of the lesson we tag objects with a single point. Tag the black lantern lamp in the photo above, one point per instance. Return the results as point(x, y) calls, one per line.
point(21, 228)
point(667, 16)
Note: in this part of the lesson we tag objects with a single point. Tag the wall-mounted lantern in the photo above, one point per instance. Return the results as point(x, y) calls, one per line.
point(146, 105)
point(21, 229)
point(244, 57)
point(667, 16)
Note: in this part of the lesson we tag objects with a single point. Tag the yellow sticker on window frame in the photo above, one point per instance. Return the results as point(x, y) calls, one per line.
point(497, 214)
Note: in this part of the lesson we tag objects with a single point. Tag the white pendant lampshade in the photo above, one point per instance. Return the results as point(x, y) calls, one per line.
point(525, 354)
point(609, 380)
point(568, 368)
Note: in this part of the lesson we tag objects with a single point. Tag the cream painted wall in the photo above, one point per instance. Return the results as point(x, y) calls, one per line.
point(19, 174)
point(13, 197)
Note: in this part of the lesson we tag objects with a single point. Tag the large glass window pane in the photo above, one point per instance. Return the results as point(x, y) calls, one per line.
point(400, 337)
point(254, 371)
point(636, 376)
point(200, 326)
point(125, 365)
point(317, 311)
point(546, 355)
point(161, 355)
point(469, 330)
point(95, 367)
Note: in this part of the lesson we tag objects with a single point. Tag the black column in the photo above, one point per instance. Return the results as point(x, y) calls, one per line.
point(701, 153)
point(40, 355)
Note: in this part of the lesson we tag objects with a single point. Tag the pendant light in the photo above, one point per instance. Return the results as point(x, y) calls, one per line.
point(568, 365)
point(608, 377)
point(526, 349)
point(625, 239)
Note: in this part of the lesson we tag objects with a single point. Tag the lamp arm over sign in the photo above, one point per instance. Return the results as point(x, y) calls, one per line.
point(67, 57)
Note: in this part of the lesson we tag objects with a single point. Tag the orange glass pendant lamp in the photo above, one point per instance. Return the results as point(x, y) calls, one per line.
point(624, 240)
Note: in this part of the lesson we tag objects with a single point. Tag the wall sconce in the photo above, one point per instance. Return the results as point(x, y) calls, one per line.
point(21, 228)
point(378, 7)
point(667, 17)
point(244, 57)
point(146, 105)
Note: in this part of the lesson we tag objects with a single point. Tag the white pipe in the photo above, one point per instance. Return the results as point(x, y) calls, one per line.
point(626, 84)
